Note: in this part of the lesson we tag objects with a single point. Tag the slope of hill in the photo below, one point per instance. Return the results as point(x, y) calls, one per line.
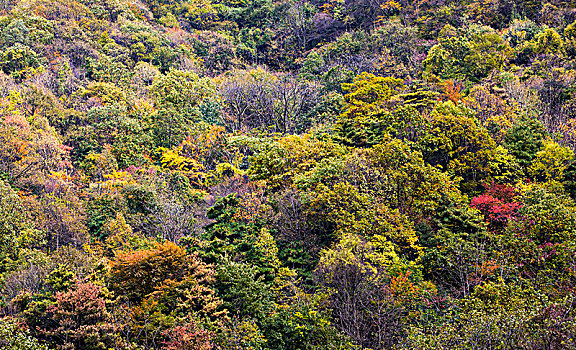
point(259, 174)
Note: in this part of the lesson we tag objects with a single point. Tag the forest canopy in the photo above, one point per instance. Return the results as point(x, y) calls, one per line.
point(287, 174)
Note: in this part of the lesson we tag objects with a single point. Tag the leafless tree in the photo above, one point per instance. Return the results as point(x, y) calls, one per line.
point(263, 100)
point(363, 305)
point(299, 24)
point(171, 217)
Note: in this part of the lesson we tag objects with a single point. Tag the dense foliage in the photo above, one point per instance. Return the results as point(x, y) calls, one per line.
point(287, 174)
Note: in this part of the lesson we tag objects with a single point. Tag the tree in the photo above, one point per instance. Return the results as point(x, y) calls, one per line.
point(12, 223)
point(455, 141)
point(549, 42)
point(243, 290)
point(466, 56)
point(459, 253)
point(236, 236)
point(499, 206)
point(493, 112)
point(280, 163)
point(258, 99)
point(188, 337)
point(15, 336)
point(404, 181)
point(79, 318)
point(525, 139)
point(371, 111)
point(300, 320)
point(500, 314)
point(164, 287)
point(370, 304)
point(20, 61)
point(177, 96)
point(551, 162)
point(542, 240)
point(136, 274)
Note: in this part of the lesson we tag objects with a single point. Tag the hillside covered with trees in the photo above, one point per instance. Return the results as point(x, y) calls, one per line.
point(287, 174)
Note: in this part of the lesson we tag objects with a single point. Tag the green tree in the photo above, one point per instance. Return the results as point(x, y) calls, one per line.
point(243, 290)
point(12, 223)
point(178, 96)
point(525, 139)
point(455, 141)
point(551, 162)
point(16, 337)
point(20, 61)
point(499, 314)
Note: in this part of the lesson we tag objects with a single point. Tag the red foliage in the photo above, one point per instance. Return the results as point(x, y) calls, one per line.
point(188, 337)
point(79, 318)
point(505, 193)
point(497, 205)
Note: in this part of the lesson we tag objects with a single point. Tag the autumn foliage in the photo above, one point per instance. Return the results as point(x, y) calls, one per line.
point(287, 174)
